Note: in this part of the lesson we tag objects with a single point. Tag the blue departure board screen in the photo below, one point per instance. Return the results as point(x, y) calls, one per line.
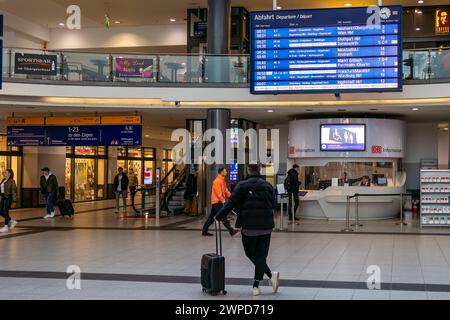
point(326, 50)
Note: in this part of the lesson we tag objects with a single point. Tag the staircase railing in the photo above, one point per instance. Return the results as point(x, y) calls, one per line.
point(171, 189)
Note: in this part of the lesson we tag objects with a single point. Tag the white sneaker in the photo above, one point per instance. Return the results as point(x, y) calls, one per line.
point(275, 281)
point(5, 229)
point(256, 291)
point(48, 216)
point(52, 215)
point(12, 224)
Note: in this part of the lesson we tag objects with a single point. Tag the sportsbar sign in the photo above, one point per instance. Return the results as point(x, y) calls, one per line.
point(35, 64)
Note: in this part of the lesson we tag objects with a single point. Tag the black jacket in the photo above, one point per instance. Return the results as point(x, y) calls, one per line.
point(124, 181)
point(293, 181)
point(49, 185)
point(191, 187)
point(254, 201)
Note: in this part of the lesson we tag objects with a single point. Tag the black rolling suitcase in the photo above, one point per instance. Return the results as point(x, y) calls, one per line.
point(65, 207)
point(213, 268)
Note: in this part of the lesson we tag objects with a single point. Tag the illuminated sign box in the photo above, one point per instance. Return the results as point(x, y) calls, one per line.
point(442, 22)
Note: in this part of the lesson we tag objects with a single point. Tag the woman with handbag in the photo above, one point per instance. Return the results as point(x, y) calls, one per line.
point(8, 193)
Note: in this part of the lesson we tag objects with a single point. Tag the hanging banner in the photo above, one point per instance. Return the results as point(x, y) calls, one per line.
point(122, 135)
point(134, 68)
point(442, 22)
point(73, 136)
point(25, 136)
point(35, 64)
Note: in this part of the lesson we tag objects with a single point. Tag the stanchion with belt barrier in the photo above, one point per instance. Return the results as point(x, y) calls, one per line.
point(281, 223)
point(356, 224)
point(347, 217)
point(293, 222)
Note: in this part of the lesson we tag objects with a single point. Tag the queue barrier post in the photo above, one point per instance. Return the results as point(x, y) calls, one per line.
point(347, 217)
point(357, 223)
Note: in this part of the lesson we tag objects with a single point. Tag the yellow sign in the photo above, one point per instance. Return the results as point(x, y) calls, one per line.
point(72, 121)
point(442, 21)
point(121, 120)
point(25, 121)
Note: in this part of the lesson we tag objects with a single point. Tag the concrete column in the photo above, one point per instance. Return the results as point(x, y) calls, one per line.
point(112, 170)
point(443, 147)
point(217, 119)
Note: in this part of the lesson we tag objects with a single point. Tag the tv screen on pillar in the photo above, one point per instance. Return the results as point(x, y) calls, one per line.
point(342, 137)
point(326, 50)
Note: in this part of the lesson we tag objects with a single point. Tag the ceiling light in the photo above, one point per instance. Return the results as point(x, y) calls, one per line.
point(417, 29)
point(278, 8)
point(419, 12)
point(270, 111)
point(117, 22)
point(172, 20)
point(61, 24)
point(415, 109)
point(147, 136)
point(420, 1)
point(348, 4)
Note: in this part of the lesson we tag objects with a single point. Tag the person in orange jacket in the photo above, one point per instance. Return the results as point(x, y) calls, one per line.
point(219, 195)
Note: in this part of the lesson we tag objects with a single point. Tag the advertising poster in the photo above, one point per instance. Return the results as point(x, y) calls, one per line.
point(442, 22)
point(148, 176)
point(134, 68)
point(35, 64)
point(25, 136)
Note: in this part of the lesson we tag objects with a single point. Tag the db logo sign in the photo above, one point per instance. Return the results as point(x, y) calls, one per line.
point(377, 149)
point(291, 150)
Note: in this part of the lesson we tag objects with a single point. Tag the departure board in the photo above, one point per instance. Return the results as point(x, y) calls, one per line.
point(326, 50)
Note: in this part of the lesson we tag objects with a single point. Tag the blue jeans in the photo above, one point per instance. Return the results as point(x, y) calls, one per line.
point(124, 199)
point(49, 198)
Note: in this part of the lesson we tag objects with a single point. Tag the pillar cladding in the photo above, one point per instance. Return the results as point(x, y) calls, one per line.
point(219, 16)
point(217, 119)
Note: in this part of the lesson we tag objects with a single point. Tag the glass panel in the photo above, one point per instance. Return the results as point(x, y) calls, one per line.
point(84, 179)
point(3, 164)
point(101, 174)
point(31, 76)
point(136, 165)
point(121, 151)
point(3, 145)
point(86, 66)
point(101, 151)
point(226, 69)
point(180, 69)
point(121, 164)
point(134, 152)
point(149, 153)
point(68, 178)
point(440, 64)
point(85, 151)
point(134, 68)
point(69, 150)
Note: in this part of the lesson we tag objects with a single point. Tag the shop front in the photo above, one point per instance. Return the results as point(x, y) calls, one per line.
point(11, 158)
point(141, 160)
point(86, 173)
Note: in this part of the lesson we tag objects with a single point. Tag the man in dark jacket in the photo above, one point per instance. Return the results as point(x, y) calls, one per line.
point(254, 201)
point(120, 189)
point(293, 186)
point(49, 188)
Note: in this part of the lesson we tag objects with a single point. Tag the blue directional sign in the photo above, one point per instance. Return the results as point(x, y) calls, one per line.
point(326, 50)
point(25, 136)
point(72, 136)
point(122, 135)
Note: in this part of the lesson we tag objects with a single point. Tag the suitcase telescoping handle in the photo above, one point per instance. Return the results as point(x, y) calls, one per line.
point(218, 238)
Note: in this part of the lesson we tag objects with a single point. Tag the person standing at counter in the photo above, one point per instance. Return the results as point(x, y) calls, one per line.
point(292, 186)
point(365, 182)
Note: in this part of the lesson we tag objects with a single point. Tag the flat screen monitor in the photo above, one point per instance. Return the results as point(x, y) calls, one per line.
point(343, 137)
point(326, 50)
point(234, 172)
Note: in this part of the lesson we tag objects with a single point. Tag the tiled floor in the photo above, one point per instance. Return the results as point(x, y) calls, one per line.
point(135, 253)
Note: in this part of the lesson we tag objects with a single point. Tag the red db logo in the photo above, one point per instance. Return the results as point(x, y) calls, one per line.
point(291, 150)
point(377, 149)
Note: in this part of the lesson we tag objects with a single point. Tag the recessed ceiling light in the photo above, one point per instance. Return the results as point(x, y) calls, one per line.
point(420, 1)
point(147, 136)
point(419, 12)
point(278, 8)
point(270, 111)
point(172, 20)
point(117, 22)
point(415, 109)
point(417, 29)
point(348, 4)
point(61, 24)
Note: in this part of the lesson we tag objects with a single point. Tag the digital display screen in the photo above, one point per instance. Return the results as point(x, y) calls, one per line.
point(234, 173)
point(326, 50)
point(342, 137)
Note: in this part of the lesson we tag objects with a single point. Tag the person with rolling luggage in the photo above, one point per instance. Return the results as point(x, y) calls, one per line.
point(254, 201)
point(65, 207)
point(49, 188)
point(8, 196)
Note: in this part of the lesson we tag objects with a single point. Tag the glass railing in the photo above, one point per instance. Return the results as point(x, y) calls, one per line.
point(72, 67)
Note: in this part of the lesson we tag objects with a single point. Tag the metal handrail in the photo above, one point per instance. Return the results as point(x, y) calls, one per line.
point(357, 195)
point(142, 189)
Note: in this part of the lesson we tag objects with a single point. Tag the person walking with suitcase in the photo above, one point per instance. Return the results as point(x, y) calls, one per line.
point(254, 201)
point(120, 189)
point(8, 196)
point(219, 195)
point(49, 188)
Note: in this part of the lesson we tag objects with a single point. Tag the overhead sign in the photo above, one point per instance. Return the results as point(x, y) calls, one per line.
point(121, 120)
point(25, 121)
point(73, 121)
point(1, 49)
point(25, 136)
point(35, 64)
point(122, 135)
point(134, 68)
point(442, 22)
point(325, 50)
point(73, 136)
